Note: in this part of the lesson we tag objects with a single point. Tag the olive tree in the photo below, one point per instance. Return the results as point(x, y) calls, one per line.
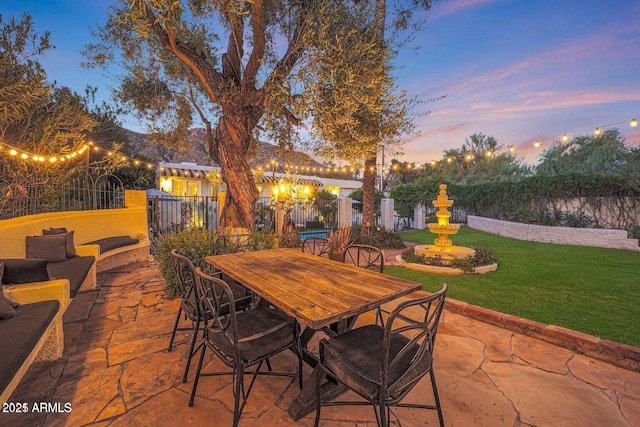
point(246, 66)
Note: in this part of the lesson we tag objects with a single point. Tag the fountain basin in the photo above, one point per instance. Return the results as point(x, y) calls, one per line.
point(483, 269)
point(447, 253)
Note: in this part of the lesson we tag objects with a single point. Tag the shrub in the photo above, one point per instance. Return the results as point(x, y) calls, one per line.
point(411, 256)
point(193, 243)
point(290, 239)
point(379, 237)
point(578, 220)
point(483, 256)
point(463, 264)
point(265, 239)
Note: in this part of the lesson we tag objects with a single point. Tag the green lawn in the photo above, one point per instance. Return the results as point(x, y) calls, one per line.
point(592, 290)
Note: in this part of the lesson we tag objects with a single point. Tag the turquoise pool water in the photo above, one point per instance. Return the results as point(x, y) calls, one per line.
point(316, 233)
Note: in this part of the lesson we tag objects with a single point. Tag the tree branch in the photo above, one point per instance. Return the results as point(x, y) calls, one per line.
point(294, 50)
point(208, 76)
point(259, 45)
point(232, 59)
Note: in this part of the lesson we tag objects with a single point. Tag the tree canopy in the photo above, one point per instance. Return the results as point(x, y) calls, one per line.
point(248, 67)
point(480, 160)
point(605, 154)
point(35, 116)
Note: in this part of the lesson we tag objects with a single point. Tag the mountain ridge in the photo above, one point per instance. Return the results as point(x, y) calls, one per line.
point(195, 151)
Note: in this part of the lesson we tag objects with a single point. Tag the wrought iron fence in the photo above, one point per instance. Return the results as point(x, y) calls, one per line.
point(318, 217)
point(357, 213)
point(77, 194)
point(168, 214)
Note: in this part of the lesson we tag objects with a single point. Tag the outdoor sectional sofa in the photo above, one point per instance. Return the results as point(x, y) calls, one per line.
point(34, 331)
point(43, 288)
point(106, 239)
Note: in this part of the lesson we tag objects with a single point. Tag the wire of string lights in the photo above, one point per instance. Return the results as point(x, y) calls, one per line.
point(57, 158)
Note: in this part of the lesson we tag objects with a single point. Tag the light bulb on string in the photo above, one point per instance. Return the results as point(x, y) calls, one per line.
point(634, 123)
point(597, 132)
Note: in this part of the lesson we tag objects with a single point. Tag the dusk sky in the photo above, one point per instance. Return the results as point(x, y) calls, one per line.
point(517, 70)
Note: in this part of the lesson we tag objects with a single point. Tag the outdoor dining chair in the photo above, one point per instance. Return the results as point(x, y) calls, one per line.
point(242, 340)
point(383, 364)
point(365, 256)
point(369, 257)
point(232, 243)
point(316, 245)
point(190, 305)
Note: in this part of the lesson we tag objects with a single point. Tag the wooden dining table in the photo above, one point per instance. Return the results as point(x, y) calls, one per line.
point(320, 293)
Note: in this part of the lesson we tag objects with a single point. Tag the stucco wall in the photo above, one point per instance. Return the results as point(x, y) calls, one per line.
point(87, 225)
point(598, 237)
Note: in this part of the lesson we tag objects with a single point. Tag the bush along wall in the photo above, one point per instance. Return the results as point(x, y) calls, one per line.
point(569, 200)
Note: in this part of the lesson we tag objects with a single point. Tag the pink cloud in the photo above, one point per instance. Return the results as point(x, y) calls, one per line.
point(447, 8)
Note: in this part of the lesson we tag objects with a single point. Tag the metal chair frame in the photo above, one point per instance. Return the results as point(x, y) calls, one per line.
point(189, 304)
point(231, 243)
point(369, 257)
point(365, 256)
point(415, 323)
point(214, 291)
point(316, 245)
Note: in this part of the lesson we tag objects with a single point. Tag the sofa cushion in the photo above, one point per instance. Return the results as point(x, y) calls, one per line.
point(18, 271)
point(109, 243)
point(51, 248)
point(20, 334)
point(6, 309)
point(74, 269)
point(68, 234)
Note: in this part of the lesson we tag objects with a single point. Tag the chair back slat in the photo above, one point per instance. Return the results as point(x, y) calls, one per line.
point(365, 256)
point(319, 246)
point(232, 243)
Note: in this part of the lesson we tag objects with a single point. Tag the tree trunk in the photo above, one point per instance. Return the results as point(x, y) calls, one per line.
point(369, 178)
point(369, 193)
point(233, 134)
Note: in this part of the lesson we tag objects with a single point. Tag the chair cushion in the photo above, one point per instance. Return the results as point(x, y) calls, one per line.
point(355, 358)
point(20, 334)
point(18, 271)
point(52, 248)
point(68, 235)
point(74, 269)
point(253, 343)
point(110, 243)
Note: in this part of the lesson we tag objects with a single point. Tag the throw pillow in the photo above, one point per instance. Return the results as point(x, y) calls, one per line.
point(55, 230)
point(6, 309)
point(51, 248)
point(18, 271)
point(68, 234)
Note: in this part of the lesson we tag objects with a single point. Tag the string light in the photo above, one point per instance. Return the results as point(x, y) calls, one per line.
point(55, 159)
point(62, 158)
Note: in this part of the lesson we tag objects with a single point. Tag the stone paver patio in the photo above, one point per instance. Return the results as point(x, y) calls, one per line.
point(116, 372)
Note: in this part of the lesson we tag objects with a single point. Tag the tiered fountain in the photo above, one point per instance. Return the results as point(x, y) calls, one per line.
point(443, 247)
